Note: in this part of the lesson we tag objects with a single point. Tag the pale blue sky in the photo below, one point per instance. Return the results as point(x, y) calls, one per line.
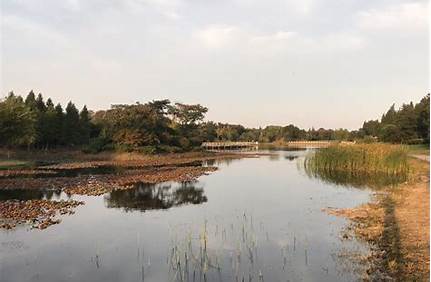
point(313, 63)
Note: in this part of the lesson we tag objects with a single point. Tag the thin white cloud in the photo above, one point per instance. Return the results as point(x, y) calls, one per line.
point(273, 43)
point(19, 27)
point(167, 8)
point(404, 16)
point(219, 36)
point(196, 51)
point(274, 37)
point(342, 41)
point(74, 5)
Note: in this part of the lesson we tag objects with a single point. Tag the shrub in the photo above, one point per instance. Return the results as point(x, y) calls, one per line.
point(97, 145)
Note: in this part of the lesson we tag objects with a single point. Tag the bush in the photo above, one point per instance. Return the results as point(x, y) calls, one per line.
point(148, 150)
point(184, 143)
point(368, 140)
point(97, 145)
point(169, 149)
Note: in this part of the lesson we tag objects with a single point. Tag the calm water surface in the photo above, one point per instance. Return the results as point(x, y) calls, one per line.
point(254, 219)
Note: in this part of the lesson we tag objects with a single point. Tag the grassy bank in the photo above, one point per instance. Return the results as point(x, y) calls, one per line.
point(396, 224)
point(361, 159)
point(20, 159)
point(423, 149)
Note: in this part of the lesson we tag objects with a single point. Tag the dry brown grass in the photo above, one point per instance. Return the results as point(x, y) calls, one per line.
point(412, 202)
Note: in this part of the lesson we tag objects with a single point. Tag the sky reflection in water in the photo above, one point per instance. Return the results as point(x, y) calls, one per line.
point(257, 217)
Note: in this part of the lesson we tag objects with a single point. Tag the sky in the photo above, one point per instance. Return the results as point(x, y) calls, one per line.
point(312, 63)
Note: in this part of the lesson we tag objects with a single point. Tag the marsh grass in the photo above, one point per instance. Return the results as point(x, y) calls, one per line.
point(360, 160)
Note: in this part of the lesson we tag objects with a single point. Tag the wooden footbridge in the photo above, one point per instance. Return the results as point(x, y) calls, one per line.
point(228, 145)
point(311, 144)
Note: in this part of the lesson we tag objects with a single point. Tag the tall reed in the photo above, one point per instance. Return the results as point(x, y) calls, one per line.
point(360, 159)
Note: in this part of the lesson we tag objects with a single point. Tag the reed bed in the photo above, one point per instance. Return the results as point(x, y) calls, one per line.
point(361, 160)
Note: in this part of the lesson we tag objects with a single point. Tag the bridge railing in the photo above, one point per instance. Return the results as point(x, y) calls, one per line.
point(229, 144)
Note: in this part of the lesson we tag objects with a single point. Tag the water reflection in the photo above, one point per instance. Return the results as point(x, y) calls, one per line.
point(280, 148)
point(375, 181)
point(290, 157)
point(263, 223)
point(29, 194)
point(147, 196)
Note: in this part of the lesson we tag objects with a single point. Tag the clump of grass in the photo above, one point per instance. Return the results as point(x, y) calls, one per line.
point(360, 160)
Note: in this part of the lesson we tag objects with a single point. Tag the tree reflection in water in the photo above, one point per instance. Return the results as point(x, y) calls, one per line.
point(29, 194)
point(145, 196)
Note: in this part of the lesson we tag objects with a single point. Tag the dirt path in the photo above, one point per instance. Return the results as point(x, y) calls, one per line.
point(421, 157)
point(412, 206)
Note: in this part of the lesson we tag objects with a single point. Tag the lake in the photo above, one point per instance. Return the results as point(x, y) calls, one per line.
point(255, 219)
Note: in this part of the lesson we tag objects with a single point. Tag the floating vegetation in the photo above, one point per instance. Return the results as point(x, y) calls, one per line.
point(350, 163)
point(38, 213)
point(99, 184)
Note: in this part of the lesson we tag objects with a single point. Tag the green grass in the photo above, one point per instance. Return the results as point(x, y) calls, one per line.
point(361, 160)
point(14, 164)
point(419, 149)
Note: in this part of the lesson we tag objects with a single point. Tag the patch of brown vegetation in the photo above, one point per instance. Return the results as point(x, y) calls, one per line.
point(39, 213)
point(25, 172)
point(127, 161)
point(367, 218)
point(101, 184)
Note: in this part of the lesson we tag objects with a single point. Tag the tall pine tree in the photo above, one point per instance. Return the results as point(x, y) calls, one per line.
point(71, 128)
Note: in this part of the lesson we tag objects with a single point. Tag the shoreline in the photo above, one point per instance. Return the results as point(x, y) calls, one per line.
point(395, 223)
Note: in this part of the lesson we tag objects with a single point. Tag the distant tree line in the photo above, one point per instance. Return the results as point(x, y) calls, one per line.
point(270, 134)
point(154, 126)
point(33, 122)
point(409, 124)
point(160, 125)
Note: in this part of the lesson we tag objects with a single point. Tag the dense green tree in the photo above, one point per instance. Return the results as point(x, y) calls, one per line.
point(208, 131)
point(229, 132)
point(390, 116)
point(59, 119)
point(371, 127)
point(187, 115)
point(391, 133)
point(17, 122)
point(133, 125)
point(271, 133)
point(71, 129)
point(49, 126)
point(40, 104)
point(84, 125)
point(423, 118)
point(251, 135)
point(292, 133)
point(406, 121)
point(408, 124)
point(30, 100)
point(341, 134)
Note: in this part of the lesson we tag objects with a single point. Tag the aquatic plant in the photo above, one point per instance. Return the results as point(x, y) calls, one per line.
point(360, 160)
